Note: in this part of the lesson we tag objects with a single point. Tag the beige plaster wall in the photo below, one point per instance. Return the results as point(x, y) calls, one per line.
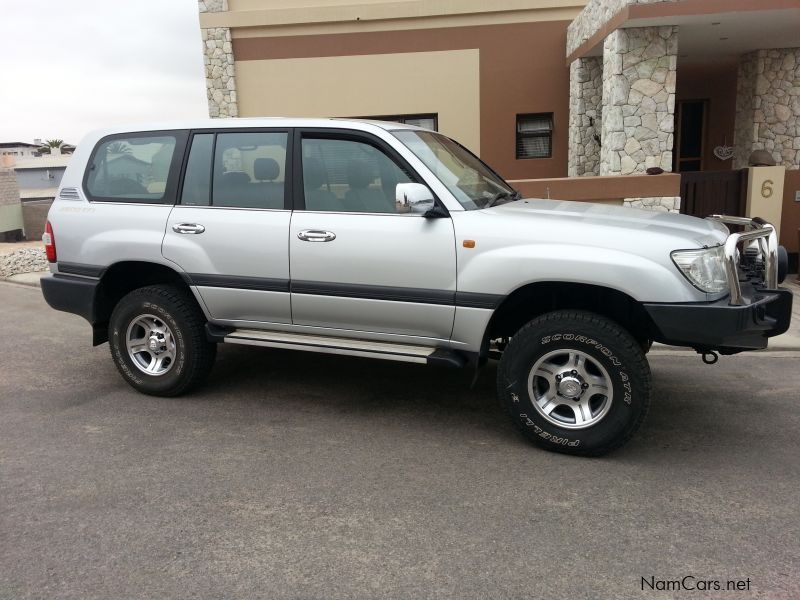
point(447, 83)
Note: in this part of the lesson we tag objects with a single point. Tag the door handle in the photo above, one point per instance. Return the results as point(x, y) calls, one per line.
point(188, 228)
point(316, 235)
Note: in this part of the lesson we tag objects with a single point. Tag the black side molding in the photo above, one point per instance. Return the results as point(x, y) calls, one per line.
point(374, 292)
point(348, 290)
point(478, 300)
point(237, 282)
point(68, 268)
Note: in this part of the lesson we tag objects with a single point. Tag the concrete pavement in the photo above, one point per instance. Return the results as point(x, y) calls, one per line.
point(292, 475)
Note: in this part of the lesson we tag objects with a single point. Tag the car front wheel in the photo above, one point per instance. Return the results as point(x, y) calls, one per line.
point(575, 382)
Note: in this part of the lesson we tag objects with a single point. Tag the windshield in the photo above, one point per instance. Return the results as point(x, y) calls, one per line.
point(473, 183)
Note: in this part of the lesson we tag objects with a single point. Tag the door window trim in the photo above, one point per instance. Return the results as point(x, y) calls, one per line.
point(288, 174)
point(353, 135)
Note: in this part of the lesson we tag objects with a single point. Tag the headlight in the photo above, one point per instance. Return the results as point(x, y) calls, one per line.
point(705, 268)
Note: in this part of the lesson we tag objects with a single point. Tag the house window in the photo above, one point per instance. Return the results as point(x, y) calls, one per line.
point(535, 135)
point(427, 121)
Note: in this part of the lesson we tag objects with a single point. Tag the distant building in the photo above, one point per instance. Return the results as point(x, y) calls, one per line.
point(44, 150)
point(23, 150)
point(10, 210)
point(29, 182)
point(39, 177)
point(19, 149)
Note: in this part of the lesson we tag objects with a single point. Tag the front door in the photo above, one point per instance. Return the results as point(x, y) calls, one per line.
point(690, 142)
point(359, 261)
point(229, 231)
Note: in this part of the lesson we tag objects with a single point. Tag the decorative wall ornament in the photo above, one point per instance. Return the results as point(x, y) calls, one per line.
point(724, 152)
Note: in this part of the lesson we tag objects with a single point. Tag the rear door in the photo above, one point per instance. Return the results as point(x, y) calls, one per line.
point(359, 261)
point(229, 230)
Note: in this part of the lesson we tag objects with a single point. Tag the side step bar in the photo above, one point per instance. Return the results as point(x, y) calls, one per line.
point(337, 345)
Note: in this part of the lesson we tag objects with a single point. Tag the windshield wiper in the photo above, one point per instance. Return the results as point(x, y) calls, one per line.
point(504, 195)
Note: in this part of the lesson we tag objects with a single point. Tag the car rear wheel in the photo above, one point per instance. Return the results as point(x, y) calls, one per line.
point(158, 342)
point(575, 382)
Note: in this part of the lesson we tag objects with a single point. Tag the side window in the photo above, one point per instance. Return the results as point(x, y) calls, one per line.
point(348, 176)
point(132, 168)
point(197, 180)
point(249, 170)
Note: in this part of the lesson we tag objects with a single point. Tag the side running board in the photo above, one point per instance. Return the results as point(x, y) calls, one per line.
point(336, 345)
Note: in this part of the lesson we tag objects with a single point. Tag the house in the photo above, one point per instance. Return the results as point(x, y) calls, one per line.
point(38, 180)
point(39, 177)
point(18, 149)
point(45, 150)
point(570, 99)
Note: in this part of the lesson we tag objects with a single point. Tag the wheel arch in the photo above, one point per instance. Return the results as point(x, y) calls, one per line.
point(534, 299)
point(122, 278)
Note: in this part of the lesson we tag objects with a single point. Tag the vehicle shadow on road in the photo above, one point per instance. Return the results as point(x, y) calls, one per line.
point(359, 386)
point(681, 410)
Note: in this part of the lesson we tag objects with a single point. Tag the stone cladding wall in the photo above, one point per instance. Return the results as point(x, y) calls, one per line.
point(639, 75)
point(768, 106)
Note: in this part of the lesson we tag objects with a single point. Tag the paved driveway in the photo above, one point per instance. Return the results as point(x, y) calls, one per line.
point(299, 476)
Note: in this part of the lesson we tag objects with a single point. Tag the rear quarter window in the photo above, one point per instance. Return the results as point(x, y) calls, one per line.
point(135, 168)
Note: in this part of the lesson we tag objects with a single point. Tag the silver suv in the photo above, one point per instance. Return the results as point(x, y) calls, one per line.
point(392, 242)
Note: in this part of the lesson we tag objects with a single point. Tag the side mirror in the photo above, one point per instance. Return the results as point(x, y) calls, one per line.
point(418, 199)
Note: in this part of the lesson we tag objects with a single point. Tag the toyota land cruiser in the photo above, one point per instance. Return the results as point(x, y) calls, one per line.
point(392, 242)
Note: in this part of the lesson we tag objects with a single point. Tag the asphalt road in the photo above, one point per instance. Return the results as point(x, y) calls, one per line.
point(292, 475)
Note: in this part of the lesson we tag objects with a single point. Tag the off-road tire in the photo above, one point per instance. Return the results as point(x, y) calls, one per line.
point(194, 354)
point(604, 342)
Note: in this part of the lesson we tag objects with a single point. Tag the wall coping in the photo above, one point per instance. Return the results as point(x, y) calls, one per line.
point(602, 187)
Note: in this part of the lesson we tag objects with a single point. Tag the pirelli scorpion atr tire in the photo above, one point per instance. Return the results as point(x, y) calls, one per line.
point(575, 382)
point(158, 342)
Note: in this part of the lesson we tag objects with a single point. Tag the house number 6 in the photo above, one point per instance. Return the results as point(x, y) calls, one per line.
point(766, 188)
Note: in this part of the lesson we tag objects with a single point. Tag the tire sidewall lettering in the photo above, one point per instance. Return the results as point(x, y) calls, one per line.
point(569, 337)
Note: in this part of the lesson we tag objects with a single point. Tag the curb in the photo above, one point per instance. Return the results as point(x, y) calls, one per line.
point(27, 279)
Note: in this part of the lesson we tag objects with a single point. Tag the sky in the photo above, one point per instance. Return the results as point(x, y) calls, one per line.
point(70, 66)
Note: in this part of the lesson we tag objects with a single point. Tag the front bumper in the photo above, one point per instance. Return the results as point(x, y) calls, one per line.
point(722, 326)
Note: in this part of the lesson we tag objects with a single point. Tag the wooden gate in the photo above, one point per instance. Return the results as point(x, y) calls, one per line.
point(706, 193)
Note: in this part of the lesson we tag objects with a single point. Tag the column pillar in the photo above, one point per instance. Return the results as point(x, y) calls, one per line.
point(585, 115)
point(639, 71)
point(219, 64)
point(639, 74)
